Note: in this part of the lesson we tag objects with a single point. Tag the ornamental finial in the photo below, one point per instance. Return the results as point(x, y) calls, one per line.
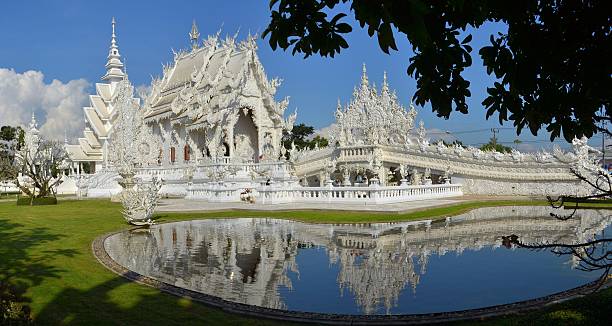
point(364, 76)
point(114, 66)
point(33, 123)
point(385, 85)
point(113, 22)
point(194, 35)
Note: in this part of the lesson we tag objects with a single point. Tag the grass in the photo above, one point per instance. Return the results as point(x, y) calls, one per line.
point(321, 216)
point(46, 252)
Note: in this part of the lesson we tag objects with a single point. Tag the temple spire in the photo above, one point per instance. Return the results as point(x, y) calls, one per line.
point(114, 66)
point(194, 35)
point(385, 85)
point(364, 77)
point(33, 123)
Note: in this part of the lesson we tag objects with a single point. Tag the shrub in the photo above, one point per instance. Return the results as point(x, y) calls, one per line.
point(27, 201)
point(12, 309)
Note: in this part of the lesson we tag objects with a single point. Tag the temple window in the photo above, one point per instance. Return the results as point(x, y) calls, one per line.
point(186, 152)
point(172, 154)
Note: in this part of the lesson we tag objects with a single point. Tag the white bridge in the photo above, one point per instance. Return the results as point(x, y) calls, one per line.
point(359, 195)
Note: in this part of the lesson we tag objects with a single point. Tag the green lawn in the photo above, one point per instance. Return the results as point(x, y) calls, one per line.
point(46, 251)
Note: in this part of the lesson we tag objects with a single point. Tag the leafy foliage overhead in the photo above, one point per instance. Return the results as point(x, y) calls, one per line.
point(553, 66)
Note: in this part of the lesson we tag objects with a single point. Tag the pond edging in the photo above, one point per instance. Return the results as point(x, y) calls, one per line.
point(336, 319)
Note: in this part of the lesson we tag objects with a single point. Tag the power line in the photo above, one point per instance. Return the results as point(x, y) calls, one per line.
point(468, 131)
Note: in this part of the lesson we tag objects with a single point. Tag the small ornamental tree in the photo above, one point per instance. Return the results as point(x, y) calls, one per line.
point(40, 162)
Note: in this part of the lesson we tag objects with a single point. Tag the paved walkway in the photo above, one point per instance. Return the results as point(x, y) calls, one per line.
point(182, 205)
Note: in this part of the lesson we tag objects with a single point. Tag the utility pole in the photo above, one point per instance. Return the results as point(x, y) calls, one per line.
point(603, 145)
point(603, 140)
point(494, 139)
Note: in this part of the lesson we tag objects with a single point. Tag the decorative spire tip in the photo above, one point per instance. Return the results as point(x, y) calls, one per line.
point(194, 35)
point(364, 76)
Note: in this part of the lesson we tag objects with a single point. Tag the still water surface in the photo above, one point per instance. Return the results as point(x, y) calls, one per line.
point(382, 268)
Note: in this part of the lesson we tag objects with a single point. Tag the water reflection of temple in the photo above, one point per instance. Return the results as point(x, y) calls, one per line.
point(248, 260)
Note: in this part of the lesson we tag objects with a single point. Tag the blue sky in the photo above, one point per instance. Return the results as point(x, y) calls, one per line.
point(68, 40)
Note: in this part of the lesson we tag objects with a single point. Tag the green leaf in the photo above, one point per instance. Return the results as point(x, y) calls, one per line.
point(343, 28)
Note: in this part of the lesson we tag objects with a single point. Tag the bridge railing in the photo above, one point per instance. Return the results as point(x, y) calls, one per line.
point(357, 195)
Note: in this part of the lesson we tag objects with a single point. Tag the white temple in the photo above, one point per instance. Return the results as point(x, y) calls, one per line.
point(218, 128)
point(92, 148)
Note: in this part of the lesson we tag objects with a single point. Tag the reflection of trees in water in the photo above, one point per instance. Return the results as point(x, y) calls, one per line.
point(590, 251)
point(248, 260)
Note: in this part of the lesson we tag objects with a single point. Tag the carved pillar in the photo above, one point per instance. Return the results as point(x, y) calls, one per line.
point(382, 175)
point(321, 179)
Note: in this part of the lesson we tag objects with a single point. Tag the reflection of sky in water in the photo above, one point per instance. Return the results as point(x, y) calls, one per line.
point(374, 269)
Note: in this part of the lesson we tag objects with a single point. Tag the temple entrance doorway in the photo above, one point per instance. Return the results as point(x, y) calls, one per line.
point(246, 142)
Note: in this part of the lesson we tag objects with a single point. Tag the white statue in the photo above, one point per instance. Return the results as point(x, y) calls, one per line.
point(132, 146)
point(415, 177)
point(244, 149)
point(140, 201)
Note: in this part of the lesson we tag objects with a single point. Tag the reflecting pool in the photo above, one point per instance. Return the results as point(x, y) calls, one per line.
point(379, 268)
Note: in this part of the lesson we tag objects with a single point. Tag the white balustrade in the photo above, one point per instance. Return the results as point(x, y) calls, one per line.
point(358, 195)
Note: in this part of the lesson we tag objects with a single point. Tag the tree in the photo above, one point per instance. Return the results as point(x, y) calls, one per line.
point(494, 146)
point(301, 137)
point(11, 140)
point(40, 162)
point(552, 66)
point(13, 311)
point(318, 141)
point(9, 133)
point(8, 170)
point(298, 136)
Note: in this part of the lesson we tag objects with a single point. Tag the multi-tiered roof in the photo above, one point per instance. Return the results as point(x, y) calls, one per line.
point(100, 113)
point(204, 85)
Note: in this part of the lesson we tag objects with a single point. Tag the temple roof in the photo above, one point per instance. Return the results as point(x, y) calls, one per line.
point(212, 78)
point(76, 153)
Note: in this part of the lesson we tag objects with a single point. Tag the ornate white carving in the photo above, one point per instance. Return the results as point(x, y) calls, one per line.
point(373, 118)
point(139, 201)
point(133, 145)
point(244, 147)
point(132, 142)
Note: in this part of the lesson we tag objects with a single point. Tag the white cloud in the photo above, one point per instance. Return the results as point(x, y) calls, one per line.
point(324, 132)
point(436, 134)
point(57, 105)
point(143, 91)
